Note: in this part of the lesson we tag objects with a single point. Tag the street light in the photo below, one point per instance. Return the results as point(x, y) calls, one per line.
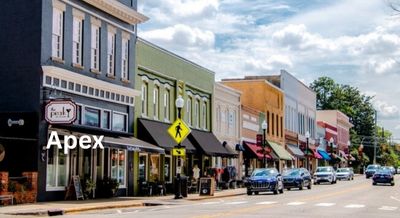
point(264, 126)
point(307, 149)
point(331, 144)
point(179, 103)
point(348, 149)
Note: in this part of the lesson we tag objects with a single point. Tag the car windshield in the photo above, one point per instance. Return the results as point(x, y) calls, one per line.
point(372, 167)
point(292, 173)
point(383, 171)
point(343, 170)
point(263, 172)
point(324, 169)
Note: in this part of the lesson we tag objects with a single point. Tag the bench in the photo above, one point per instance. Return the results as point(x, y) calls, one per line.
point(7, 197)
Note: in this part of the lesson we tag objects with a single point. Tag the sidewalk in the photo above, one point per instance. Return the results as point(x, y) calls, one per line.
point(64, 207)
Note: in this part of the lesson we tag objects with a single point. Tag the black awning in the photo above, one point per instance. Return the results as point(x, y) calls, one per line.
point(132, 144)
point(295, 151)
point(156, 133)
point(208, 143)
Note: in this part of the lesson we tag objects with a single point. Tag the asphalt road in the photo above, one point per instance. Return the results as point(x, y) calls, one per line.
point(353, 199)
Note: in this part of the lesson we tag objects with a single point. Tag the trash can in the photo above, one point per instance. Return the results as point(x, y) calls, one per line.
point(181, 182)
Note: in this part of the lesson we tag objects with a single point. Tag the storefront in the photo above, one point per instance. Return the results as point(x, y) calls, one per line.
point(285, 160)
point(295, 151)
point(253, 158)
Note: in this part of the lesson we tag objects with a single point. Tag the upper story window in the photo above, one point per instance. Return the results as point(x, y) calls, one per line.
point(111, 52)
point(156, 100)
point(77, 39)
point(119, 122)
point(58, 33)
point(166, 105)
point(218, 118)
point(125, 59)
point(189, 111)
point(204, 115)
point(144, 99)
point(95, 48)
point(197, 114)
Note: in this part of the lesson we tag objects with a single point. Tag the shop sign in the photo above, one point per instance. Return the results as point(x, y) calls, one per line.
point(179, 130)
point(71, 142)
point(60, 112)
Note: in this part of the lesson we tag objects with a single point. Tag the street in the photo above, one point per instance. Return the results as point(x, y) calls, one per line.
point(356, 198)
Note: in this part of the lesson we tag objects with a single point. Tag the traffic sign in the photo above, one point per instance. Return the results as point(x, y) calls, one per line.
point(179, 130)
point(178, 152)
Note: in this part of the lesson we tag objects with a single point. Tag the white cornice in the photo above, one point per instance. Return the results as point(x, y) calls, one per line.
point(119, 10)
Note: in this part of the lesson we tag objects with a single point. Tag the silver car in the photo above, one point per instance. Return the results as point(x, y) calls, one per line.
point(345, 174)
point(325, 174)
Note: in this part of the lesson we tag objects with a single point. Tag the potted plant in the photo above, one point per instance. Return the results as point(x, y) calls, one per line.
point(107, 187)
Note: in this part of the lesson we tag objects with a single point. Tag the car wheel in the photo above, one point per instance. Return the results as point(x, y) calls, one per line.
point(333, 182)
point(256, 193)
point(392, 184)
point(281, 190)
point(301, 186)
point(309, 185)
point(288, 189)
point(249, 193)
point(276, 190)
point(374, 183)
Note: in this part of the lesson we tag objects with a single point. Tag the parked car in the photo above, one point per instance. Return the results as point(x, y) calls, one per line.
point(345, 173)
point(297, 178)
point(371, 169)
point(390, 168)
point(398, 170)
point(265, 180)
point(383, 176)
point(324, 174)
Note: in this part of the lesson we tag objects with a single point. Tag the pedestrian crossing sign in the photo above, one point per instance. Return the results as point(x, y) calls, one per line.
point(179, 130)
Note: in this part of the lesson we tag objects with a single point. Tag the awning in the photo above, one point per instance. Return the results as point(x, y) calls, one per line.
point(251, 148)
point(155, 132)
point(208, 143)
point(350, 157)
point(295, 151)
point(342, 154)
point(132, 144)
point(324, 155)
point(239, 147)
point(280, 151)
point(313, 153)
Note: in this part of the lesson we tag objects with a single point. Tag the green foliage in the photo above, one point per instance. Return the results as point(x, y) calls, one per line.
point(349, 100)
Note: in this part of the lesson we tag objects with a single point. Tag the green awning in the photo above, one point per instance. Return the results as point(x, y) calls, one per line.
point(280, 151)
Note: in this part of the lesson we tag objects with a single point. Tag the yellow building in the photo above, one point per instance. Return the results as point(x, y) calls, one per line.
point(264, 96)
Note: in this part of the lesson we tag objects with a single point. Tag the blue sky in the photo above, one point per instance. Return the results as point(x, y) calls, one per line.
point(355, 42)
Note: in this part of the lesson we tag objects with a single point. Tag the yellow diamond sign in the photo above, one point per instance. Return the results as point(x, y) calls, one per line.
point(179, 130)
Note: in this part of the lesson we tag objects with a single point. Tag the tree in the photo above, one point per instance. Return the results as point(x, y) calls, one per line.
point(349, 100)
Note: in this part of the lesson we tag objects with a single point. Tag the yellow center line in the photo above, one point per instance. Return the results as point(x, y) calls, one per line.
point(260, 207)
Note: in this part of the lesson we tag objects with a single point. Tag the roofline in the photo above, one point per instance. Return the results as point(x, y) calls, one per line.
point(237, 92)
point(283, 70)
point(254, 80)
point(175, 55)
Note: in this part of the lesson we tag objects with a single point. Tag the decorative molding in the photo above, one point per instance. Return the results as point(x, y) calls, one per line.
point(95, 21)
point(59, 5)
point(189, 93)
point(111, 29)
point(167, 86)
point(78, 14)
point(156, 82)
point(119, 10)
point(126, 35)
point(145, 78)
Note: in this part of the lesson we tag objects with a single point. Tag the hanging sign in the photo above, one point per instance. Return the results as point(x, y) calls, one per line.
point(60, 112)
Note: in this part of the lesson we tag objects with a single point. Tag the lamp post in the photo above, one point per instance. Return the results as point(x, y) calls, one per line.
point(348, 149)
point(179, 103)
point(307, 149)
point(331, 144)
point(264, 126)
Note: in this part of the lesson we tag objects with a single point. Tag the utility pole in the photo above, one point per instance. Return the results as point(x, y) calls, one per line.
point(376, 129)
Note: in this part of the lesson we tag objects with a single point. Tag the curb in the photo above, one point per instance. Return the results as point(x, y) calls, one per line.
point(212, 197)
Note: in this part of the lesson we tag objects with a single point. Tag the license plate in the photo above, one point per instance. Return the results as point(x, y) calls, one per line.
point(382, 177)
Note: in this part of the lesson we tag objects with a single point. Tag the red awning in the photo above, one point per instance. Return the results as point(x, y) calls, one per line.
point(312, 153)
point(254, 148)
point(344, 155)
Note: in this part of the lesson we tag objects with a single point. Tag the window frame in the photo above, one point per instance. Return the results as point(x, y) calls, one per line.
point(111, 39)
point(56, 160)
point(59, 52)
point(156, 102)
point(125, 166)
point(95, 47)
point(125, 58)
point(77, 40)
point(146, 174)
point(144, 99)
point(126, 121)
point(170, 168)
point(167, 105)
point(189, 111)
point(204, 115)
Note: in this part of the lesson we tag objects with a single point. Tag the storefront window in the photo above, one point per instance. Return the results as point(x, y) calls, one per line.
point(57, 163)
point(168, 169)
point(119, 122)
point(142, 167)
point(92, 117)
point(154, 168)
point(118, 166)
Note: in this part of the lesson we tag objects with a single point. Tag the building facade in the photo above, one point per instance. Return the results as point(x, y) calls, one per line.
point(163, 76)
point(266, 97)
point(300, 115)
point(226, 123)
point(69, 50)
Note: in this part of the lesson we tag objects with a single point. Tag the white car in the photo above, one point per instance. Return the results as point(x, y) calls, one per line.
point(325, 174)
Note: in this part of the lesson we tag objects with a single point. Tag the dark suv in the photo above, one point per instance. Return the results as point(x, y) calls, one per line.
point(265, 180)
point(297, 178)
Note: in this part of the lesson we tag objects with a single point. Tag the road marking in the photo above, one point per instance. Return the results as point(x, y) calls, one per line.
point(355, 206)
point(394, 198)
point(236, 202)
point(119, 211)
point(387, 208)
point(267, 202)
point(296, 203)
point(211, 202)
point(324, 204)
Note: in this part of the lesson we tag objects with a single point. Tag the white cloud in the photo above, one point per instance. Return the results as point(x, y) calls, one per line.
point(385, 110)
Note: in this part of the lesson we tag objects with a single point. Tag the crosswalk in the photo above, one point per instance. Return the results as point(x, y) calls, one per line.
point(300, 203)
